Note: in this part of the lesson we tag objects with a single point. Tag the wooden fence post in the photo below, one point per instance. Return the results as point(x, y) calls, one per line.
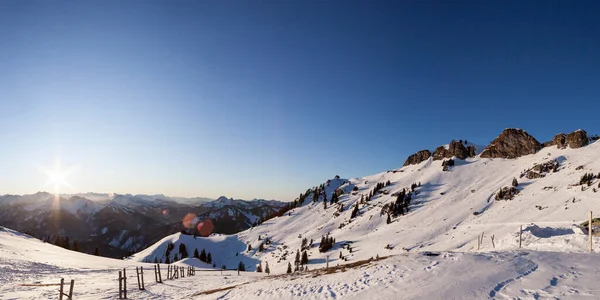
point(124, 284)
point(71, 289)
point(181, 271)
point(137, 273)
point(590, 232)
point(140, 273)
point(120, 285)
point(62, 283)
point(520, 236)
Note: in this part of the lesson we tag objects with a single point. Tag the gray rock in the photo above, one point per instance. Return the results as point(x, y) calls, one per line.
point(511, 143)
point(577, 139)
point(417, 158)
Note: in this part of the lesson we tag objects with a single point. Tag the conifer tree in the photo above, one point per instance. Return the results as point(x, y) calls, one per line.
point(196, 254)
point(389, 219)
point(515, 182)
point(209, 258)
point(289, 269)
point(297, 259)
point(304, 260)
point(267, 270)
point(259, 268)
point(203, 255)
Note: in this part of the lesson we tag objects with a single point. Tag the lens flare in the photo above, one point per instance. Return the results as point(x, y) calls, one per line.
point(205, 228)
point(189, 221)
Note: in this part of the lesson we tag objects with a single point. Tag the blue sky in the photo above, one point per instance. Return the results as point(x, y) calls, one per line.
point(267, 98)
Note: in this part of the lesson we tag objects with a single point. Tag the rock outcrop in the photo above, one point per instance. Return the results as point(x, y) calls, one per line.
point(454, 149)
point(577, 139)
point(417, 158)
point(511, 143)
point(471, 150)
point(558, 140)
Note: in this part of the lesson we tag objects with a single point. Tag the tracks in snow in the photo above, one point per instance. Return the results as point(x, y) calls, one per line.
point(525, 268)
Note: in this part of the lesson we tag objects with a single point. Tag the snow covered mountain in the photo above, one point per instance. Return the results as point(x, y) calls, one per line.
point(440, 227)
point(121, 224)
point(441, 204)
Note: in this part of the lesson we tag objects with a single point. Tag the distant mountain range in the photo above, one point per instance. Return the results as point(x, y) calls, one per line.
point(119, 224)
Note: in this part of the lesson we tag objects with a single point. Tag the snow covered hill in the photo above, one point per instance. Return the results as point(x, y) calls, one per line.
point(29, 267)
point(448, 211)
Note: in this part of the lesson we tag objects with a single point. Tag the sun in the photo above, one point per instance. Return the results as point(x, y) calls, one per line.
point(57, 178)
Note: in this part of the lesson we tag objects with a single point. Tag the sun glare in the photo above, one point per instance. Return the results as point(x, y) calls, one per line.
point(57, 178)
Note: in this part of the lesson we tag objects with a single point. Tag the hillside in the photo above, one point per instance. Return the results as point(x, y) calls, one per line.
point(448, 211)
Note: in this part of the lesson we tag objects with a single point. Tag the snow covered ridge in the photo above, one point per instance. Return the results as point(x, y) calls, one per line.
point(120, 224)
point(511, 143)
point(421, 207)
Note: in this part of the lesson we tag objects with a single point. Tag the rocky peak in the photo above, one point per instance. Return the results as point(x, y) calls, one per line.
point(577, 139)
point(454, 149)
point(417, 157)
point(512, 143)
point(558, 140)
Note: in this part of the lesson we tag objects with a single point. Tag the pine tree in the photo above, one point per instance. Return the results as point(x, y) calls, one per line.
point(304, 260)
point(389, 219)
point(515, 182)
point(261, 247)
point(241, 267)
point(183, 251)
point(203, 255)
point(175, 258)
point(341, 256)
point(259, 268)
point(289, 269)
point(267, 270)
point(297, 259)
point(209, 258)
point(196, 254)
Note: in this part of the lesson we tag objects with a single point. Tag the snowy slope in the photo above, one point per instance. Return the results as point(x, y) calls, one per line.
point(441, 216)
point(449, 210)
point(28, 265)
